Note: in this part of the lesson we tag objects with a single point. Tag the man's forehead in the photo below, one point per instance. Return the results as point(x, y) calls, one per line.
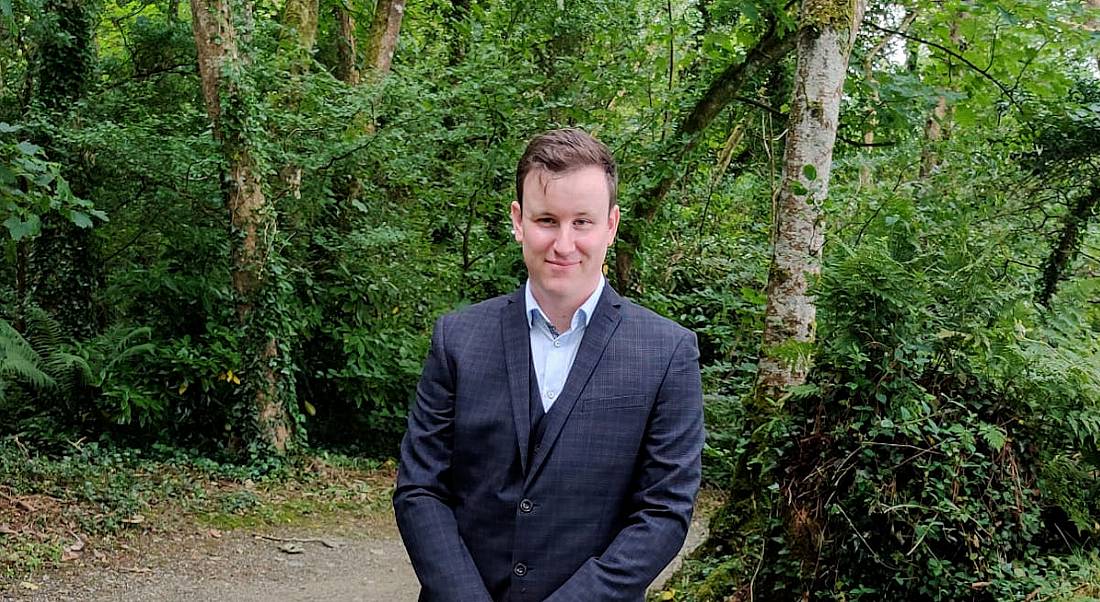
point(540, 178)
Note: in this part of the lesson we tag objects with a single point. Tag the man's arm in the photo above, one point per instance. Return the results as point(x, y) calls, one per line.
point(423, 499)
point(661, 505)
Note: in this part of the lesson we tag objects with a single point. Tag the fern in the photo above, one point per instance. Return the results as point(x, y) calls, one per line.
point(20, 362)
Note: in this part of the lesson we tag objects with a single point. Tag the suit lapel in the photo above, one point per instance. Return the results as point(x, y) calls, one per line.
point(605, 320)
point(517, 358)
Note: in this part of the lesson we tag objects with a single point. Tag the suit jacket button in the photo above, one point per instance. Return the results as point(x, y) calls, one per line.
point(526, 506)
point(520, 569)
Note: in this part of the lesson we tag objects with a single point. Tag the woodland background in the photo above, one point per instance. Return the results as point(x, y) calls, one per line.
point(229, 226)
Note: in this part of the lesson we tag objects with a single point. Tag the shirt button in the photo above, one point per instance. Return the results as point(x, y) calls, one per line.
point(551, 394)
point(557, 343)
point(520, 569)
point(526, 505)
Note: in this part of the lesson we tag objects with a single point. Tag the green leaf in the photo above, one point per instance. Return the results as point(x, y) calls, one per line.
point(20, 229)
point(81, 219)
point(810, 172)
point(1007, 16)
point(28, 149)
point(993, 435)
point(7, 128)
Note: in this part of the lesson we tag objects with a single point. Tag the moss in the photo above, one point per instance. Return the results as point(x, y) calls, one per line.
point(721, 581)
point(828, 14)
point(296, 512)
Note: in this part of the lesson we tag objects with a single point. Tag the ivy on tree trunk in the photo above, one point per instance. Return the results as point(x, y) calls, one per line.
point(268, 396)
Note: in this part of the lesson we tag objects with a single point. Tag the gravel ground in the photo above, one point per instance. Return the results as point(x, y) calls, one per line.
point(364, 564)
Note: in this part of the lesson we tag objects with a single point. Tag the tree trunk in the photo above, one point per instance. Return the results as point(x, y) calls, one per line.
point(826, 33)
point(252, 219)
point(61, 272)
point(300, 21)
point(1065, 251)
point(382, 39)
point(773, 46)
point(347, 70)
point(933, 135)
point(936, 129)
point(1076, 223)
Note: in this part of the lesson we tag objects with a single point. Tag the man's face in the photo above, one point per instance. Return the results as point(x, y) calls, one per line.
point(565, 228)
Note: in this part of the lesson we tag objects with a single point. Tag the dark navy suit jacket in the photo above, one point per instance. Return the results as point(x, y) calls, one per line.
point(599, 507)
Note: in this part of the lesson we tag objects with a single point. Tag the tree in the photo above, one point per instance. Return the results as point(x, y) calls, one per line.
point(347, 67)
point(382, 38)
point(1079, 214)
point(62, 272)
point(825, 37)
point(252, 219)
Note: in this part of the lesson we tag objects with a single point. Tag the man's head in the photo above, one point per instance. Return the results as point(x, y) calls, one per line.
point(565, 214)
point(565, 150)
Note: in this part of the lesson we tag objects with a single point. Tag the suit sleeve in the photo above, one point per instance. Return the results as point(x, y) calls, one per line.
point(662, 502)
point(423, 499)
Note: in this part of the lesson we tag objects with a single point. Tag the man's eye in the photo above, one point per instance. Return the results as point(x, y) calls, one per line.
point(546, 221)
point(584, 223)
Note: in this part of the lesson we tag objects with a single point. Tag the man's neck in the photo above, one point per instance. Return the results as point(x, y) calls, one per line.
point(560, 311)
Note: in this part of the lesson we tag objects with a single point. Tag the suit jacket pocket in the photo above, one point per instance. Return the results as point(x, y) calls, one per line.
point(616, 402)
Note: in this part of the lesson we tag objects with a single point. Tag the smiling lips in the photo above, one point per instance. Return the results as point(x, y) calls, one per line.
point(562, 265)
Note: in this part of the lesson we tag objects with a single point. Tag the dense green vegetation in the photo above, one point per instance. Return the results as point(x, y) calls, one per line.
point(946, 444)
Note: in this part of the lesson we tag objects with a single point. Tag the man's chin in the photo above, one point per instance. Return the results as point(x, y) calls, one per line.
point(565, 286)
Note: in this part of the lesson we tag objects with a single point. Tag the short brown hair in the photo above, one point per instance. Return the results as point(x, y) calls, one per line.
point(562, 151)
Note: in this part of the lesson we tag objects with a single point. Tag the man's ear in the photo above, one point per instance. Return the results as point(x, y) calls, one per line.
point(613, 223)
point(517, 221)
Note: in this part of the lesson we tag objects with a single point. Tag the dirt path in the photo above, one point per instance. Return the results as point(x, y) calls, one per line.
point(363, 564)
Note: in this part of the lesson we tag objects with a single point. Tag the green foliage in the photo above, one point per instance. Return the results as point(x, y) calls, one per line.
point(32, 188)
point(19, 362)
point(937, 454)
point(104, 365)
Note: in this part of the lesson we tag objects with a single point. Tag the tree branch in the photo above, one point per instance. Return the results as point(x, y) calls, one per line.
point(955, 55)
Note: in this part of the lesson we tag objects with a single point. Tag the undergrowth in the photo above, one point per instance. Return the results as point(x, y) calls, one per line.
point(56, 507)
point(946, 448)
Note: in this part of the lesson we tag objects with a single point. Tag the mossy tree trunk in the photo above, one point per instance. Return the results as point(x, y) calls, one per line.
point(1078, 217)
point(824, 41)
point(300, 22)
point(382, 39)
point(267, 395)
point(347, 69)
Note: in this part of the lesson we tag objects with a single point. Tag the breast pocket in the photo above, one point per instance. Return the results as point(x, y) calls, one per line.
point(616, 402)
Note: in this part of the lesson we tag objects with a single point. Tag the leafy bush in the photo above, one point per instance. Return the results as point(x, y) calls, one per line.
point(936, 454)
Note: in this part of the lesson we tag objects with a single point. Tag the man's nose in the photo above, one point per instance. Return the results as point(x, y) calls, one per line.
point(565, 241)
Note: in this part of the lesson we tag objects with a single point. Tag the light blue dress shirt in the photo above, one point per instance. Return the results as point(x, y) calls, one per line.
point(552, 353)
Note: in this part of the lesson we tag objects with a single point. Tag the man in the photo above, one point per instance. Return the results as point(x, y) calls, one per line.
point(553, 451)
